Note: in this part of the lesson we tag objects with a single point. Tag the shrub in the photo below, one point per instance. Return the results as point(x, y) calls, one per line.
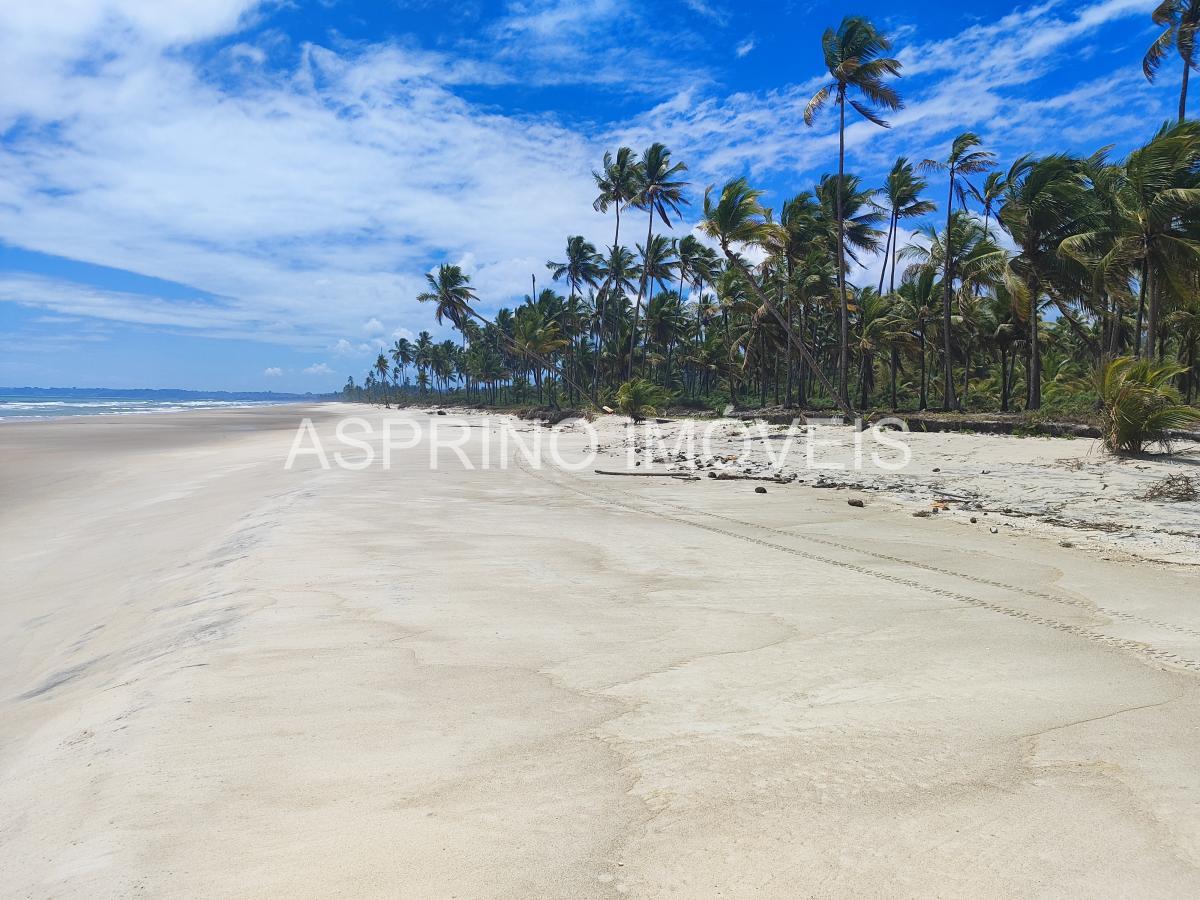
point(1138, 404)
point(640, 398)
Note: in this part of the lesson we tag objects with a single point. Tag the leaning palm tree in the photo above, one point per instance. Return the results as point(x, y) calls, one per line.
point(738, 218)
point(659, 192)
point(450, 289)
point(1180, 20)
point(964, 160)
point(852, 56)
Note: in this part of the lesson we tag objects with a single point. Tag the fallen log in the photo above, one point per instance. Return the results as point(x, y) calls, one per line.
point(733, 476)
point(686, 475)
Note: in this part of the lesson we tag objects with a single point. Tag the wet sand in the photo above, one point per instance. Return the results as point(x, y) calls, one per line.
point(220, 678)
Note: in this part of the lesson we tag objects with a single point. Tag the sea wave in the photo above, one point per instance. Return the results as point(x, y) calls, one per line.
point(24, 408)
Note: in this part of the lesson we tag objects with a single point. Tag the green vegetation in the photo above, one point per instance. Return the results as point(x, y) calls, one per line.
point(640, 398)
point(1138, 405)
point(1033, 277)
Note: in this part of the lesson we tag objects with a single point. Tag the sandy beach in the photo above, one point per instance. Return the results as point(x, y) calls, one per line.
point(223, 678)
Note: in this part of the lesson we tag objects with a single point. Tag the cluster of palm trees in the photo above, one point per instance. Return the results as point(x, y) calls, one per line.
point(1032, 275)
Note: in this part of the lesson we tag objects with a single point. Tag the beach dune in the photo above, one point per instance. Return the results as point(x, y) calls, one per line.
point(220, 677)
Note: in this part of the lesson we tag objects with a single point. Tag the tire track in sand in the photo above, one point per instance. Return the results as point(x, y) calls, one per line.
point(1162, 657)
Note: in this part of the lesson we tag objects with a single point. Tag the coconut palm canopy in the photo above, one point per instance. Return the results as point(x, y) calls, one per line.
point(1022, 280)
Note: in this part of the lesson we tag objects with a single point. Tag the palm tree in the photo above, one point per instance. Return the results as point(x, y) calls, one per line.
point(852, 56)
point(1044, 202)
point(581, 267)
point(402, 354)
point(381, 366)
point(1144, 223)
point(619, 271)
point(617, 182)
point(423, 357)
point(1180, 19)
point(902, 190)
point(450, 289)
point(659, 191)
point(658, 265)
point(536, 336)
point(987, 194)
point(738, 217)
point(963, 160)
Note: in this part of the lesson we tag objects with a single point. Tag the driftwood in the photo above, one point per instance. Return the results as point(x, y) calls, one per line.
point(685, 475)
point(733, 476)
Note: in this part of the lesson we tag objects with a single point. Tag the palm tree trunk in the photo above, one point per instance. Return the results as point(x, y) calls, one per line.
point(802, 373)
point(887, 250)
point(895, 362)
point(843, 395)
point(966, 376)
point(1035, 351)
point(1137, 334)
point(764, 300)
point(1003, 380)
point(787, 399)
point(637, 306)
point(600, 317)
point(1152, 314)
point(947, 278)
point(1187, 67)
point(924, 374)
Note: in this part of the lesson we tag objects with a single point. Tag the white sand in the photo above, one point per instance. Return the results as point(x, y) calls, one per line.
point(219, 678)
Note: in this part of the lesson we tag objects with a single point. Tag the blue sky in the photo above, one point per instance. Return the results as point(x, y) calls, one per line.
point(244, 195)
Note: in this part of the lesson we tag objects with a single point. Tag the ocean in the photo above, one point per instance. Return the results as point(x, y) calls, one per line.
point(50, 406)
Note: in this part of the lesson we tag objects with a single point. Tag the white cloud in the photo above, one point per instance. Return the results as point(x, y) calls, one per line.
point(744, 47)
point(318, 369)
point(273, 372)
point(301, 199)
point(308, 199)
point(344, 347)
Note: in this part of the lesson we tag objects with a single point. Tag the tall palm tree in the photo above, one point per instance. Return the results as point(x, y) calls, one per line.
point(738, 218)
point(1044, 202)
point(987, 194)
point(1180, 19)
point(402, 354)
point(582, 267)
point(659, 192)
point(853, 58)
point(381, 366)
point(658, 265)
point(902, 190)
point(617, 183)
point(450, 289)
point(688, 253)
point(619, 271)
point(964, 160)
